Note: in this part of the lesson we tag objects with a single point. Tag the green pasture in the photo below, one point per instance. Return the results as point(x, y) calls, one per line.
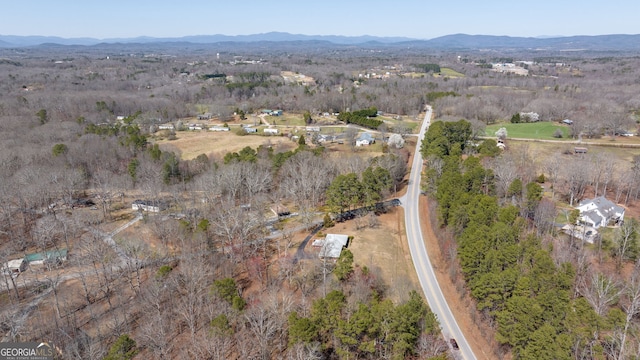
point(543, 130)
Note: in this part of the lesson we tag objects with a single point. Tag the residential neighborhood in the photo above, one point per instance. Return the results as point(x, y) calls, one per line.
point(464, 197)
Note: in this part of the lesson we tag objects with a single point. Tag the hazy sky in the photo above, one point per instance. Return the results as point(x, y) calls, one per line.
point(421, 19)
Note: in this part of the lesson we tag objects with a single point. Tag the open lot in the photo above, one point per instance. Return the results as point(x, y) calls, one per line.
point(537, 130)
point(193, 143)
point(384, 250)
point(450, 73)
point(542, 151)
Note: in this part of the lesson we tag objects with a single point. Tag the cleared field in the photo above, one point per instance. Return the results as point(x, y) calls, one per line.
point(193, 143)
point(409, 124)
point(288, 119)
point(450, 72)
point(541, 151)
point(384, 251)
point(537, 130)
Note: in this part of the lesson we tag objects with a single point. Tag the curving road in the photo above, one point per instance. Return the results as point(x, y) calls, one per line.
point(421, 261)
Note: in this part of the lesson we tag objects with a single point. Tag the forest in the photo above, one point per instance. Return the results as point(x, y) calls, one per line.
point(212, 275)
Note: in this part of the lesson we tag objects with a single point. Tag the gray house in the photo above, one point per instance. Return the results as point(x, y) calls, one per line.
point(600, 212)
point(365, 139)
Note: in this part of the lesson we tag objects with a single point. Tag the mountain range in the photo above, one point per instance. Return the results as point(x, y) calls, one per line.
point(617, 42)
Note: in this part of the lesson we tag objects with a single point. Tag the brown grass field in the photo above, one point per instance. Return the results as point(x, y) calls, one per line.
point(384, 250)
point(190, 144)
point(541, 151)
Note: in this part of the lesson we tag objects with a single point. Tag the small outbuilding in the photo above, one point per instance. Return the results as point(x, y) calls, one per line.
point(15, 266)
point(47, 257)
point(333, 245)
point(147, 205)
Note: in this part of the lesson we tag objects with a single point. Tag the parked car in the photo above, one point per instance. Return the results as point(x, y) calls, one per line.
point(454, 344)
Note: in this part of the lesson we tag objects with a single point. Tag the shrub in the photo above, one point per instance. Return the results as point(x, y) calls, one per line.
point(124, 348)
point(163, 271)
point(59, 149)
point(558, 134)
point(327, 222)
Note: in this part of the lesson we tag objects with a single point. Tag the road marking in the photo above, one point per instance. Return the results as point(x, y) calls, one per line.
point(422, 263)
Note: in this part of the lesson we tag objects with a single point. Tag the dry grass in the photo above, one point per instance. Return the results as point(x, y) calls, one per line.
point(541, 151)
point(193, 143)
point(384, 251)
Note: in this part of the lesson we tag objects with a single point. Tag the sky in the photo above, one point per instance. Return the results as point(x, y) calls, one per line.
point(418, 19)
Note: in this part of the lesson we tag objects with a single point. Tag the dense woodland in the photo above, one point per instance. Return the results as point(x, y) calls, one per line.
point(222, 292)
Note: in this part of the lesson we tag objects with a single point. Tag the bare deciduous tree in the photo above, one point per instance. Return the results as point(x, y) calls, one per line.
point(631, 307)
point(601, 291)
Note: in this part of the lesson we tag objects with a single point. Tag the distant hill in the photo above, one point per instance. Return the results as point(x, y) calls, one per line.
point(457, 41)
point(569, 43)
point(21, 41)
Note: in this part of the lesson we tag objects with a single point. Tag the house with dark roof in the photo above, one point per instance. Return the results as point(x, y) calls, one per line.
point(600, 212)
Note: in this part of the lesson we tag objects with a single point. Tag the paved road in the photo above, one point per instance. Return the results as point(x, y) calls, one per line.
point(421, 261)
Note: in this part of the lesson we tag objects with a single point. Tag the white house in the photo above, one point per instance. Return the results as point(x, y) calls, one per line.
point(600, 212)
point(271, 131)
point(218, 128)
point(146, 205)
point(365, 139)
point(333, 245)
point(250, 130)
point(165, 127)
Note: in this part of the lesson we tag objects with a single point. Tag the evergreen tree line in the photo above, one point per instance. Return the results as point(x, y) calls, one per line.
point(374, 329)
point(363, 118)
point(347, 191)
point(508, 272)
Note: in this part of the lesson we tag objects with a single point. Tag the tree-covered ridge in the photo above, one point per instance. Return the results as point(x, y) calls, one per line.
point(435, 95)
point(530, 298)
